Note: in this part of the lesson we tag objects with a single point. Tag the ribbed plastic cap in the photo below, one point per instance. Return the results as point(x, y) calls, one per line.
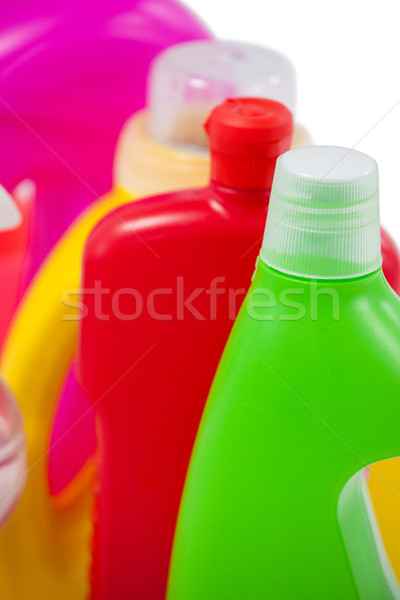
point(187, 80)
point(246, 137)
point(323, 218)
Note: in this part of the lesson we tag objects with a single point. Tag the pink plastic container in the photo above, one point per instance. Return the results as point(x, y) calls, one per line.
point(71, 73)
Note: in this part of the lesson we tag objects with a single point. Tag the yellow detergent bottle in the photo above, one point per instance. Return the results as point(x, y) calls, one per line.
point(45, 546)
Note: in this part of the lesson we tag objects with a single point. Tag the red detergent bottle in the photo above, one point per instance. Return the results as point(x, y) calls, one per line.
point(163, 280)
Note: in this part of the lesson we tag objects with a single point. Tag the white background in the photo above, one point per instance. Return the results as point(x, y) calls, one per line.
point(347, 57)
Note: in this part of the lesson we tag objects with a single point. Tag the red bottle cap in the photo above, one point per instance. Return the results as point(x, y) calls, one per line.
point(246, 137)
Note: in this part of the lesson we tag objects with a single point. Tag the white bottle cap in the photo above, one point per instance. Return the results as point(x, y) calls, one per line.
point(13, 462)
point(188, 80)
point(10, 216)
point(323, 217)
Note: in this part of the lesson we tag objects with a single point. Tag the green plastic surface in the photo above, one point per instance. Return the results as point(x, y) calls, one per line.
point(306, 395)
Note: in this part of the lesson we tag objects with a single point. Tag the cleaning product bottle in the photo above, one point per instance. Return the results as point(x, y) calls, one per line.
point(71, 73)
point(306, 395)
point(12, 453)
point(162, 282)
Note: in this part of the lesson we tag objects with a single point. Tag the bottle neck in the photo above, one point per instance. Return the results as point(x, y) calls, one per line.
point(145, 167)
point(252, 172)
point(317, 280)
point(245, 198)
point(264, 273)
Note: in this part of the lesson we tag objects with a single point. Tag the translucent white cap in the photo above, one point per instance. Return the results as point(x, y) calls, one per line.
point(12, 452)
point(323, 217)
point(10, 216)
point(188, 80)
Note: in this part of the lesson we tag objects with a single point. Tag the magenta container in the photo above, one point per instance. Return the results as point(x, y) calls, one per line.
point(71, 73)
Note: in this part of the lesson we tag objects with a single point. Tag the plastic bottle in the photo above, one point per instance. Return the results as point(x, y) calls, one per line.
point(71, 73)
point(12, 453)
point(306, 395)
point(158, 275)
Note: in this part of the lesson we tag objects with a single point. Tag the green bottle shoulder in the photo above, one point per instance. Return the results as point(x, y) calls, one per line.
point(345, 369)
point(321, 318)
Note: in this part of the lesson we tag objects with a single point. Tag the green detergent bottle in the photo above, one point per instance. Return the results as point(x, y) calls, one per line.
point(307, 395)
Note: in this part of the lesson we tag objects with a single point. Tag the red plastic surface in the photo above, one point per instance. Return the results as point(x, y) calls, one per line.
point(390, 261)
point(244, 134)
point(150, 376)
point(164, 279)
